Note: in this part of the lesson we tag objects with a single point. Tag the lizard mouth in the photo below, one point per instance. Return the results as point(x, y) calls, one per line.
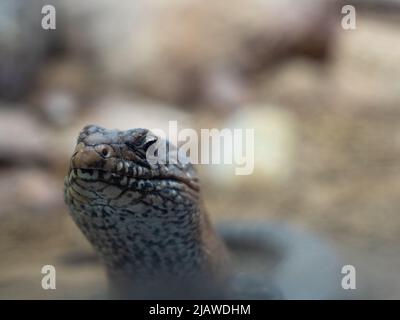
point(95, 174)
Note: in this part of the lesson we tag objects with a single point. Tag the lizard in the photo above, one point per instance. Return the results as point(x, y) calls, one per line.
point(147, 222)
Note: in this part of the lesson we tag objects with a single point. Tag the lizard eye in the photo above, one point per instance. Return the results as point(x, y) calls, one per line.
point(149, 142)
point(104, 150)
point(142, 144)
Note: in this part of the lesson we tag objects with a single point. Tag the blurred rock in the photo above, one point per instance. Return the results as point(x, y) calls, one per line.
point(173, 50)
point(60, 107)
point(274, 143)
point(122, 113)
point(24, 141)
point(387, 6)
point(24, 46)
point(61, 89)
point(29, 190)
point(362, 77)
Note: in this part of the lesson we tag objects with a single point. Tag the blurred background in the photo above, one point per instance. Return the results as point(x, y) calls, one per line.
point(324, 103)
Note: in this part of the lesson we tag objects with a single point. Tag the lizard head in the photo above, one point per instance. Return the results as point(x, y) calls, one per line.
point(121, 199)
point(117, 156)
point(143, 217)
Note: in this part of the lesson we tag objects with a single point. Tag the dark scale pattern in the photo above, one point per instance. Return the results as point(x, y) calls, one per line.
point(143, 219)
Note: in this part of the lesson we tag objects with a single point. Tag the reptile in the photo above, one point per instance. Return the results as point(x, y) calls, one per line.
point(147, 222)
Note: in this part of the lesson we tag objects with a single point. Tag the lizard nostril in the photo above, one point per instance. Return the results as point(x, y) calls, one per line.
point(85, 159)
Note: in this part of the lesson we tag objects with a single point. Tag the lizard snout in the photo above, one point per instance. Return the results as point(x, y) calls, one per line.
point(86, 157)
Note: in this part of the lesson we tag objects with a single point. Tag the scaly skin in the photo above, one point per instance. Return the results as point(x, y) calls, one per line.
point(144, 220)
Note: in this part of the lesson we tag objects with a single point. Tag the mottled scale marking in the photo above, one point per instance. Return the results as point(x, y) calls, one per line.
point(144, 220)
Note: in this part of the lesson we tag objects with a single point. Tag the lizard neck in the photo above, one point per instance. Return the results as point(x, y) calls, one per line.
point(144, 240)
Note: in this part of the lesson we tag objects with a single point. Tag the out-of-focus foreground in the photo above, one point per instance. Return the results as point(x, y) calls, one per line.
point(324, 103)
